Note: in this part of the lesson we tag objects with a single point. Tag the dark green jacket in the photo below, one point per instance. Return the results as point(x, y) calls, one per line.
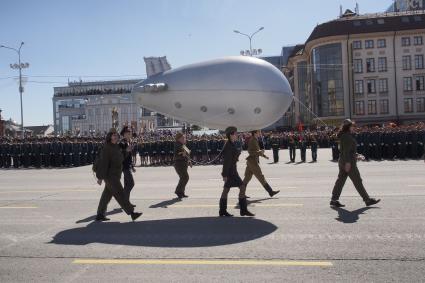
point(180, 156)
point(347, 148)
point(110, 162)
point(254, 150)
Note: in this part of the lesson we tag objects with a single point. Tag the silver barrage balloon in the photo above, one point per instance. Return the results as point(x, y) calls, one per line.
point(244, 92)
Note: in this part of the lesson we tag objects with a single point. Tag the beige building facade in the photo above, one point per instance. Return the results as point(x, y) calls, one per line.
point(366, 67)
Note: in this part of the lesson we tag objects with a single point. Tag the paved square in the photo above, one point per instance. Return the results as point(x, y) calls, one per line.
point(47, 231)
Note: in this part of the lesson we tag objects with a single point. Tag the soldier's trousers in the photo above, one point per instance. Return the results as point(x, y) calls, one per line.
point(276, 155)
point(181, 170)
point(128, 183)
point(314, 154)
point(292, 153)
point(253, 168)
point(354, 175)
point(113, 188)
point(303, 154)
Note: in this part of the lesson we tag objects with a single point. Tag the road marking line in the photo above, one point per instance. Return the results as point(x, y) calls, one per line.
point(203, 262)
point(18, 207)
point(63, 191)
point(250, 204)
point(250, 189)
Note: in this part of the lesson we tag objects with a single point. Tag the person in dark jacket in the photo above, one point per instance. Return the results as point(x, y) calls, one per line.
point(127, 165)
point(230, 175)
point(109, 169)
point(348, 167)
point(181, 163)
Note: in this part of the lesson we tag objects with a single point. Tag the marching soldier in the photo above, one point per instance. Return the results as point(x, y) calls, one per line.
point(109, 169)
point(127, 165)
point(181, 163)
point(230, 175)
point(252, 163)
point(348, 167)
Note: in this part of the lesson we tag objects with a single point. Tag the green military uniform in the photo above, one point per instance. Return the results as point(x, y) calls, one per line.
point(181, 163)
point(348, 154)
point(109, 169)
point(253, 167)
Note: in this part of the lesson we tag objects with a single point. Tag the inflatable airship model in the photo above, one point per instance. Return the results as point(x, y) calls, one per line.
point(245, 92)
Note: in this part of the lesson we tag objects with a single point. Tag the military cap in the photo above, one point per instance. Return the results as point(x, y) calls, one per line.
point(348, 122)
point(124, 130)
point(230, 130)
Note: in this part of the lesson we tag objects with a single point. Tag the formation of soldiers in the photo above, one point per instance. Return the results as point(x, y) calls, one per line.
point(48, 152)
point(157, 148)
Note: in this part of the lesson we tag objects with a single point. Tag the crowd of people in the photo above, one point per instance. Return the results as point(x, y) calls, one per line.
point(157, 148)
point(93, 92)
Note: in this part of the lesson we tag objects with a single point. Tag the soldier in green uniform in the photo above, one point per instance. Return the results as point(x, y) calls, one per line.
point(109, 169)
point(292, 147)
point(348, 167)
point(275, 146)
point(230, 175)
point(252, 163)
point(181, 163)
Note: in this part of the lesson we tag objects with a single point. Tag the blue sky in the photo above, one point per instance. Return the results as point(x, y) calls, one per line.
point(100, 39)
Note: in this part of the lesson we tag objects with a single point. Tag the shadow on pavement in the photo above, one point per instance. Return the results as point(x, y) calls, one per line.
point(184, 232)
point(254, 201)
point(348, 217)
point(166, 203)
point(93, 217)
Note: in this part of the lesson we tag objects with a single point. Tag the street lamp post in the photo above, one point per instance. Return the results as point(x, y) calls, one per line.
point(250, 38)
point(19, 67)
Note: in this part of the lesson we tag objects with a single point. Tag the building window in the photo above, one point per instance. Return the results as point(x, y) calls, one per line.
point(383, 85)
point(408, 105)
point(359, 108)
point(371, 86)
point(407, 84)
point(407, 62)
point(384, 106)
point(371, 107)
point(419, 83)
point(420, 104)
point(358, 66)
point(370, 65)
point(382, 43)
point(382, 64)
point(358, 87)
point(419, 61)
point(405, 41)
point(368, 44)
point(418, 40)
point(357, 44)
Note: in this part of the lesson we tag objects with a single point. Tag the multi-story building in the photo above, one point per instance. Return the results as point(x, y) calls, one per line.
point(85, 108)
point(2, 125)
point(366, 67)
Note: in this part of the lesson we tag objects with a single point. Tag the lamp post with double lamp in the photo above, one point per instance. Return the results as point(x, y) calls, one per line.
point(250, 41)
point(19, 67)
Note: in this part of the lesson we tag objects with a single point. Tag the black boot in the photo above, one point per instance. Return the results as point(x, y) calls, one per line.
point(243, 205)
point(135, 215)
point(270, 191)
point(223, 208)
point(335, 203)
point(372, 201)
point(102, 218)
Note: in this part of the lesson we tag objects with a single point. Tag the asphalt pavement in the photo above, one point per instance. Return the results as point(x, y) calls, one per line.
point(48, 232)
